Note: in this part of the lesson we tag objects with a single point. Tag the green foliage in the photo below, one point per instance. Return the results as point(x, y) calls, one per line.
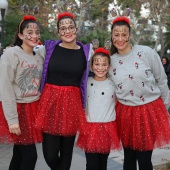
point(11, 23)
point(95, 34)
point(168, 165)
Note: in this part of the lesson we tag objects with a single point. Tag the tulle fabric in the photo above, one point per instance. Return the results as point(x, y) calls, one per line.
point(27, 113)
point(98, 137)
point(59, 110)
point(143, 127)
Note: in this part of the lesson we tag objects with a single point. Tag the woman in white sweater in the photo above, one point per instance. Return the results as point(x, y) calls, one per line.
point(142, 93)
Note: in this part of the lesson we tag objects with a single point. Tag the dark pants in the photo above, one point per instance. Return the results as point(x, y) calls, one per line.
point(24, 157)
point(131, 157)
point(96, 161)
point(58, 151)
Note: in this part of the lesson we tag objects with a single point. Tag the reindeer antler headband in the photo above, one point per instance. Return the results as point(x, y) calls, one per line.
point(123, 17)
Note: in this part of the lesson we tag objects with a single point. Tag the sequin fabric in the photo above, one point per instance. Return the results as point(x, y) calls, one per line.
point(98, 137)
point(143, 127)
point(27, 113)
point(59, 110)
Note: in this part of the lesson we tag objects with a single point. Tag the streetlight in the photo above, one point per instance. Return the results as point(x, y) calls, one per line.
point(3, 6)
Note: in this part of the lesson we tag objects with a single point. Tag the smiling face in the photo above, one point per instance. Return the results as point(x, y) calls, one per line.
point(67, 30)
point(121, 38)
point(30, 35)
point(100, 67)
point(164, 61)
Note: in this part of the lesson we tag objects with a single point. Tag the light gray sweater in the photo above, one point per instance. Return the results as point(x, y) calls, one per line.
point(20, 76)
point(100, 101)
point(139, 76)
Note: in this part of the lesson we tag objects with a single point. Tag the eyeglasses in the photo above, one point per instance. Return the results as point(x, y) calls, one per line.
point(63, 30)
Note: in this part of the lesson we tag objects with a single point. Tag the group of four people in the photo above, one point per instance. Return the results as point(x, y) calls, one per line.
point(124, 104)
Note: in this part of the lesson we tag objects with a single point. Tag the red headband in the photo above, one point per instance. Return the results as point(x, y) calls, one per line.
point(121, 18)
point(26, 17)
point(65, 14)
point(102, 50)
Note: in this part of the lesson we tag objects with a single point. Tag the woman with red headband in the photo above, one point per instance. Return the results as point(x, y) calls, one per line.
point(20, 74)
point(63, 88)
point(142, 93)
point(98, 133)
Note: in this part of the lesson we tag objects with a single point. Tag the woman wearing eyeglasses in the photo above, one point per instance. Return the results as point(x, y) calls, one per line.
point(64, 83)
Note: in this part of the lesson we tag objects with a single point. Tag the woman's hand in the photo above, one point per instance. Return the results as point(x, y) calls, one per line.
point(15, 129)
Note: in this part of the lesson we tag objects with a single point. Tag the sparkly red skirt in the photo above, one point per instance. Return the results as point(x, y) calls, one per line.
point(59, 110)
point(27, 113)
point(98, 137)
point(143, 127)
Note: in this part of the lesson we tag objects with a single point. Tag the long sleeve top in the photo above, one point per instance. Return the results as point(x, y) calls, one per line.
point(100, 101)
point(20, 77)
point(48, 49)
point(139, 76)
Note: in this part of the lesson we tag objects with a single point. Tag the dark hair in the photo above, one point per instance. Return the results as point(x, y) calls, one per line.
point(23, 25)
point(64, 18)
point(101, 54)
point(113, 49)
point(167, 60)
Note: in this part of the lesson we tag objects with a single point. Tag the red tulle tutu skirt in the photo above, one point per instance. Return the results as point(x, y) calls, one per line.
point(143, 127)
point(59, 110)
point(98, 137)
point(27, 113)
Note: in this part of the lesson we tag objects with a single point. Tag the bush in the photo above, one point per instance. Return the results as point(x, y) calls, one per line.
point(168, 165)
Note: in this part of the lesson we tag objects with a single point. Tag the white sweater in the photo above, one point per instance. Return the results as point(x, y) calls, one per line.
point(100, 101)
point(20, 76)
point(139, 76)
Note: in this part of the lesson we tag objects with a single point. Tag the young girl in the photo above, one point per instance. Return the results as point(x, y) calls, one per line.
point(98, 133)
point(143, 97)
point(20, 76)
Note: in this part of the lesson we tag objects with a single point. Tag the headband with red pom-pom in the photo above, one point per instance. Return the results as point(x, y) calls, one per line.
point(25, 18)
point(65, 15)
point(102, 50)
point(120, 19)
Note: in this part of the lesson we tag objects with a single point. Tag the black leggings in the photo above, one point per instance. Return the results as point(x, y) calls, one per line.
point(58, 151)
point(96, 161)
point(24, 157)
point(131, 157)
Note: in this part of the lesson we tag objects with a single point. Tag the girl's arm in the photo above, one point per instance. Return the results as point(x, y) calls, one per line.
point(8, 67)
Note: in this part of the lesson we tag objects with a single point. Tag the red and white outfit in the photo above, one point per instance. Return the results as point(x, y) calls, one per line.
point(61, 100)
point(20, 76)
point(143, 97)
point(98, 130)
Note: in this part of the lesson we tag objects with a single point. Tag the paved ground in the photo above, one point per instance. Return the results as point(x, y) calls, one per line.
point(78, 162)
point(115, 161)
